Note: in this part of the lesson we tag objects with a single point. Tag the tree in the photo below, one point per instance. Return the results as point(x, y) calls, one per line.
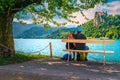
point(42, 11)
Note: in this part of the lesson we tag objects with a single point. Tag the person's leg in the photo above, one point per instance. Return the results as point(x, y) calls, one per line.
point(86, 54)
point(73, 56)
point(78, 56)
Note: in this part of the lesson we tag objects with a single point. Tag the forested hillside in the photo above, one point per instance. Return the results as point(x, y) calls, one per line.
point(109, 29)
point(36, 32)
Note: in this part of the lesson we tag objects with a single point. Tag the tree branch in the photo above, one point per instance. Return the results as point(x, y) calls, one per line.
point(20, 4)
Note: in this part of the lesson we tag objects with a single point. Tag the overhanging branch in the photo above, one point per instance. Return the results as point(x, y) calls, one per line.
point(20, 4)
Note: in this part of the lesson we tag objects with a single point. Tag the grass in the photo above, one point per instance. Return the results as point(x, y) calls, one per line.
point(21, 57)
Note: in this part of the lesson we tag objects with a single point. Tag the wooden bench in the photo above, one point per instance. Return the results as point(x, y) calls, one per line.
point(91, 41)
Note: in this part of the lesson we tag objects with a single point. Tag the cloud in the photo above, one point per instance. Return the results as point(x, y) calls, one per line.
point(28, 21)
point(112, 8)
point(88, 13)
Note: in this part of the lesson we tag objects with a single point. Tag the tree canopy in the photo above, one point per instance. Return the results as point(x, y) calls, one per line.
point(44, 11)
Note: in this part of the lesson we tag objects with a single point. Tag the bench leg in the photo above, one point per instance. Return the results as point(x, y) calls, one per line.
point(75, 56)
point(104, 55)
point(69, 56)
point(104, 59)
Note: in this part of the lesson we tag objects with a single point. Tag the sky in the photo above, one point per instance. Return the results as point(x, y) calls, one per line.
point(112, 8)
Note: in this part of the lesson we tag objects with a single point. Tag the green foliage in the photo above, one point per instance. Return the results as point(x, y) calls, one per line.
point(46, 10)
point(20, 57)
point(6, 5)
point(58, 34)
point(46, 26)
point(109, 29)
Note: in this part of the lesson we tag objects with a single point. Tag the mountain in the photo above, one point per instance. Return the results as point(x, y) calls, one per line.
point(19, 28)
point(58, 34)
point(36, 32)
point(33, 31)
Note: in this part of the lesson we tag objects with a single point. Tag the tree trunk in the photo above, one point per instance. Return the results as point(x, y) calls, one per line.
point(6, 35)
point(6, 18)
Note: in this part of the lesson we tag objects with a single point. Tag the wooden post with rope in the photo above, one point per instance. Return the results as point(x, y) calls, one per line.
point(50, 49)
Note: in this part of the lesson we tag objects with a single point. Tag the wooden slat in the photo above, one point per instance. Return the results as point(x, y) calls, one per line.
point(94, 41)
point(90, 51)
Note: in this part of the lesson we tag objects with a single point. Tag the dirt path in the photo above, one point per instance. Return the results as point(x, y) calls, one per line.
point(56, 69)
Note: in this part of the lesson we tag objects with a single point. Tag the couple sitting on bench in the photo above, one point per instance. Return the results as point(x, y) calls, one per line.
point(77, 46)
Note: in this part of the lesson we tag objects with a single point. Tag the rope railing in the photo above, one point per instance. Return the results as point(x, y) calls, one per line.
point(39, 51)
point(50, 46)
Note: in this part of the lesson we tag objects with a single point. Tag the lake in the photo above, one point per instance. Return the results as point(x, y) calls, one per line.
point(35, 45)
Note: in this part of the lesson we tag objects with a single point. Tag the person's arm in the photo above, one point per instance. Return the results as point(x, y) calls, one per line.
point(66, 45)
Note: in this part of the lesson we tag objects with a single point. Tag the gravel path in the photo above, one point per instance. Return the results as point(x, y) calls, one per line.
point(56, 69)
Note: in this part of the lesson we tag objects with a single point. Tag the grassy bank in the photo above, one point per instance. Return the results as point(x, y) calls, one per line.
point(21, 57)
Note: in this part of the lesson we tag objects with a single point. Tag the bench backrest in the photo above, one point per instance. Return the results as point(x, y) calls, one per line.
point(94, 41)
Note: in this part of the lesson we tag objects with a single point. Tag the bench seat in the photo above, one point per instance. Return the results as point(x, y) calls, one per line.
point(90, 51)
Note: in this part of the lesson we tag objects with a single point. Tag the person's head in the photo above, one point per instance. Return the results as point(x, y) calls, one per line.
point(70, 35)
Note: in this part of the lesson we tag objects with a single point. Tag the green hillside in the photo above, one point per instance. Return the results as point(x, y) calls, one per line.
point(36, 32)
point(109, 28)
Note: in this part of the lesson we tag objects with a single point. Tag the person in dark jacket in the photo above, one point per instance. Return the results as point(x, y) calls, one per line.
point(80, 46)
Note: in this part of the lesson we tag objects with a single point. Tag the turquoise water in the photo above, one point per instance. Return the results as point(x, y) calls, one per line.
point(35, 45)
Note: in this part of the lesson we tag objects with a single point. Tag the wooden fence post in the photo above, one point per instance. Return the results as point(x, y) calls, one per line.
point(50, 49)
